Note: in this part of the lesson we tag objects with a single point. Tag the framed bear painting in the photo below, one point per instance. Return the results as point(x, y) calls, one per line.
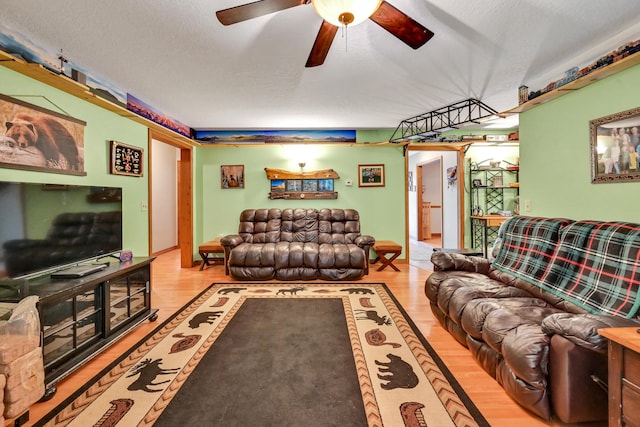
point(34, 138)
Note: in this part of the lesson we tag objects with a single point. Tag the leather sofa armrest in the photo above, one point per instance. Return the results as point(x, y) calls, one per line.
point(231, 240)
point(443, 261)
point(582, 329)
point(365, 242)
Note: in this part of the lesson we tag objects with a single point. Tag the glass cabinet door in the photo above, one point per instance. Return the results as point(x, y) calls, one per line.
point(128, 297)
point(70, 325)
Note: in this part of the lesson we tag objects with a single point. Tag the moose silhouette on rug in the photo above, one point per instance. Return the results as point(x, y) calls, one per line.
point(149, 371)
point(373, 316)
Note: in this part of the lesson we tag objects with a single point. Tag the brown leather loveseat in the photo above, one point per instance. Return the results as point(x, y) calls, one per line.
point(531, 317)
point(297, 244)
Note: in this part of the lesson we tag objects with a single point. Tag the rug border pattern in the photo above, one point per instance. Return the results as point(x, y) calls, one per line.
point(461, 410)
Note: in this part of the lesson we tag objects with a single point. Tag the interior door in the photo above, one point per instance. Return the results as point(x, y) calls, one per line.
point(429, 202)
point(420, 215)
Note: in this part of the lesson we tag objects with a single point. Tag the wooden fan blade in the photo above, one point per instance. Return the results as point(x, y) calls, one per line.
point(401, 25)
point(253, 10)
point(322, 44)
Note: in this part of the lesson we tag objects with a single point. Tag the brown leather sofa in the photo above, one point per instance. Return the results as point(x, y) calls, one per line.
point(297, 244)
point(531, 316)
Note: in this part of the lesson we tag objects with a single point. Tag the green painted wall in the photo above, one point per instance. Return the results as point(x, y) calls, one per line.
point(381, 208)
point(554, 160)
point(102, 126)
point(555, 165)
point(216, 211)
point(373, 135)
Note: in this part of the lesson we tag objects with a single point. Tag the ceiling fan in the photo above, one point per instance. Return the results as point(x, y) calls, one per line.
point(336, 13)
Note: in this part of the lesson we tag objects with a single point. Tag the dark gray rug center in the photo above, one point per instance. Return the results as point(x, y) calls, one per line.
point(279, 362)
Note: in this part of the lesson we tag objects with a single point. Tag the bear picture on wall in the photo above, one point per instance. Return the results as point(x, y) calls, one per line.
point(34, 138)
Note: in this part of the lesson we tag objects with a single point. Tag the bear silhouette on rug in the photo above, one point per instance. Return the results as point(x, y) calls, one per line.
point(400, 373)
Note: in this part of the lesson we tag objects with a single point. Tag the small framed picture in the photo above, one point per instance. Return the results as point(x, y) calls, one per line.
point(232, 176)
point(294, 185)
point(278, 185)
point(325, 185)
point(309, 185)
point(371, 175)
point(126, 159)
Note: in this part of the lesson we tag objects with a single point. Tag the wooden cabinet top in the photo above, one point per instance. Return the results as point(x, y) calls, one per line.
point(627, 337)
point(46, 287)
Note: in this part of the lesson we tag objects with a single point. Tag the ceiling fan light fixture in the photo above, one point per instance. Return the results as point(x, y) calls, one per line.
point(345, 12)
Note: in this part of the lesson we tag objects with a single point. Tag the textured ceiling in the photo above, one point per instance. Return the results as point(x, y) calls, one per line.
point(178, 58)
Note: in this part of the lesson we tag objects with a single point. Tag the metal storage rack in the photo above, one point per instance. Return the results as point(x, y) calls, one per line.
point(489, 190)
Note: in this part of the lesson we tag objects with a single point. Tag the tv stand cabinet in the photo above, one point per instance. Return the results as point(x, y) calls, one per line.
point(81, 317)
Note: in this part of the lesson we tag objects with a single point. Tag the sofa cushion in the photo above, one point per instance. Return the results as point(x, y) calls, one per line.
point(296, 254)
point(476, 314)
point(299, 225)
point(260, 225)
point(338, 226)
point(501, 323)
point(528, 245)
point(253, 255)
point(435, 280)
point(523, 371)
point(597, 267)
point(253, 273)
point(536, 291)
point(487, 357)
point(341, 256)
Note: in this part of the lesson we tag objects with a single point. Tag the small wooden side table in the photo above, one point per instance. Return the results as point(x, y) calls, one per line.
point(624, 375)
point(384, 248)
point(209, 248)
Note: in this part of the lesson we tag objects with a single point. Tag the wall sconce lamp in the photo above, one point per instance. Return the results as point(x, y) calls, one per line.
point(302, 165)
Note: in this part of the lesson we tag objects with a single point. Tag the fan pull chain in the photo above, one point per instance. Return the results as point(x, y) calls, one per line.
point(343, 32)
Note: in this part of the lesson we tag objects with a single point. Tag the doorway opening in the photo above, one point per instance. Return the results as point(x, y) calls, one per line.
point(183, 199)
point(435, 200)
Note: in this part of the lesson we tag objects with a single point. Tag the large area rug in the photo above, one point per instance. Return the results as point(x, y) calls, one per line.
point(278, 354)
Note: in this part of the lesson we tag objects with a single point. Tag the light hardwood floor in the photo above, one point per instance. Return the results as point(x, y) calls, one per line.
point(173, 287)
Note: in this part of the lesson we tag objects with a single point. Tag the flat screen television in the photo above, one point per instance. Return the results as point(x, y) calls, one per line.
point(50, 226)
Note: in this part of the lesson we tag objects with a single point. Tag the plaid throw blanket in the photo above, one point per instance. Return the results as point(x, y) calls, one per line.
point(597, 267)
point(528, 244)
point(593, 264)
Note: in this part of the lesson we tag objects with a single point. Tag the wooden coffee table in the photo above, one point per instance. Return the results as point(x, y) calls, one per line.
point(386, 251)
point(209, 248)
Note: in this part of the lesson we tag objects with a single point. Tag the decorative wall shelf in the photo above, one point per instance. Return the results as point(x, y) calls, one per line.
point(578, 83)
point(79, 90)
point(302, 185)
